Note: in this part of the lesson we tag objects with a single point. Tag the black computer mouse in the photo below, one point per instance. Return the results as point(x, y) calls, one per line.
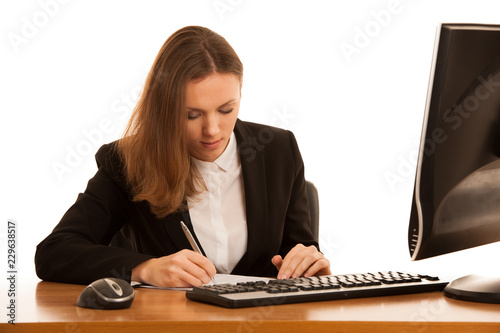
point(106, 294)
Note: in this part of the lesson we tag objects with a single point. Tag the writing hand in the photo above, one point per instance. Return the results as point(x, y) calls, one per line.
point(185, 268)
point(301, 261)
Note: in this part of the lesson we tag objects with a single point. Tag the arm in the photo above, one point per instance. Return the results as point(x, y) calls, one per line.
point(77, 250)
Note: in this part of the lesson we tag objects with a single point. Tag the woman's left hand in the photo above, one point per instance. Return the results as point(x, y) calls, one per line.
point(301, 261)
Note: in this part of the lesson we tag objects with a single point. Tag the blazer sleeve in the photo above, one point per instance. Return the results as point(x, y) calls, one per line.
point(77, 250)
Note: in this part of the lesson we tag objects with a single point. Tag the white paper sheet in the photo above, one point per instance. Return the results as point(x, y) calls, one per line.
point(219, 279)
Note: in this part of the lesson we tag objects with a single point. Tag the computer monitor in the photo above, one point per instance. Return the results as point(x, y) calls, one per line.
point(456, 199)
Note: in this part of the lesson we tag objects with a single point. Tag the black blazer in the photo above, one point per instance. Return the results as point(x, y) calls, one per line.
point(78, 251)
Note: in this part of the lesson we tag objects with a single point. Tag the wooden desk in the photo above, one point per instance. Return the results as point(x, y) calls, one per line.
point(50, 307)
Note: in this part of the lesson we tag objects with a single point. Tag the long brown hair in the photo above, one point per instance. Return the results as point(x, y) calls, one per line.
point(154, 148)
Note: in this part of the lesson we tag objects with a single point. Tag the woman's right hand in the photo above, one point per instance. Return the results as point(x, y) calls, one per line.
point(185, 268)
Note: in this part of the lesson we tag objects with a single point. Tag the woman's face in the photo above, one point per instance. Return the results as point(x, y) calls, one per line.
point(212, 104)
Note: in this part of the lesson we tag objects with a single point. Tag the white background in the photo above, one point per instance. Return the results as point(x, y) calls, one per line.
point(70, 72)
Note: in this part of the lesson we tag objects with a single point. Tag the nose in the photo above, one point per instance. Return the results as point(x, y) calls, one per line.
point(211, 125)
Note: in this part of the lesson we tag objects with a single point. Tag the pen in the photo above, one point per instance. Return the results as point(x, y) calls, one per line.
point(191, 240)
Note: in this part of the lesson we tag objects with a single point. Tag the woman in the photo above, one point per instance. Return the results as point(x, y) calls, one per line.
point(185, 156)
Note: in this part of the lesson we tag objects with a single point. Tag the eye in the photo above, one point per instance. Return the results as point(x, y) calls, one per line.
point(226, 111)
point(193, 115)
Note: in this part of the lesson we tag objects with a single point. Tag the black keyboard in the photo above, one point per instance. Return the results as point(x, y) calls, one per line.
point(311, 289)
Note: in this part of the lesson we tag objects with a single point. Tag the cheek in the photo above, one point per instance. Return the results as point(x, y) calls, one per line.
point(192, 133)
point(229, 122)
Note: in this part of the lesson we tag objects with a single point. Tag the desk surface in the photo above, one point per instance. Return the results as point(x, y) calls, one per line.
point(47, 306)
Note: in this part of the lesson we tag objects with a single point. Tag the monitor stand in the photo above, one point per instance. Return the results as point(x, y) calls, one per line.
point(475, 288)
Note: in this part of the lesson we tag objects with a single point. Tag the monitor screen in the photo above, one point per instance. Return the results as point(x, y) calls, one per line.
point(456, 198)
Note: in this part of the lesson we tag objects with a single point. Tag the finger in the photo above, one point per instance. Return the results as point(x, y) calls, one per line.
point(289, 262)
point(293, 259)
point(202, 262)
point(188, 278)
point(189, 267)
point(277, 261)
point(305, 262)
point(322, 266)
point(187, 275)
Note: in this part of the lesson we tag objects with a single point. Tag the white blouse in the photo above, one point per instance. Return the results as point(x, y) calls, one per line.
point(218, 214)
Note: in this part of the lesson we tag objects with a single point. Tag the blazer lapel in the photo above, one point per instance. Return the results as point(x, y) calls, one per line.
point(254, 179)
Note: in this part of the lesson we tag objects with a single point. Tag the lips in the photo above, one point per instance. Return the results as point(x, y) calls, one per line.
point(212, 144)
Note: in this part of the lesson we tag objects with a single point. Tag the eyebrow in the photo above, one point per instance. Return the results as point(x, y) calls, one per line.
point(220, 106)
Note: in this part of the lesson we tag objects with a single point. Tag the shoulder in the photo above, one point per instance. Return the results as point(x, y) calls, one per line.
point(249, 132)
point(107, 156)
point(109, 160)
point(267, 141)
point(247, 127)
